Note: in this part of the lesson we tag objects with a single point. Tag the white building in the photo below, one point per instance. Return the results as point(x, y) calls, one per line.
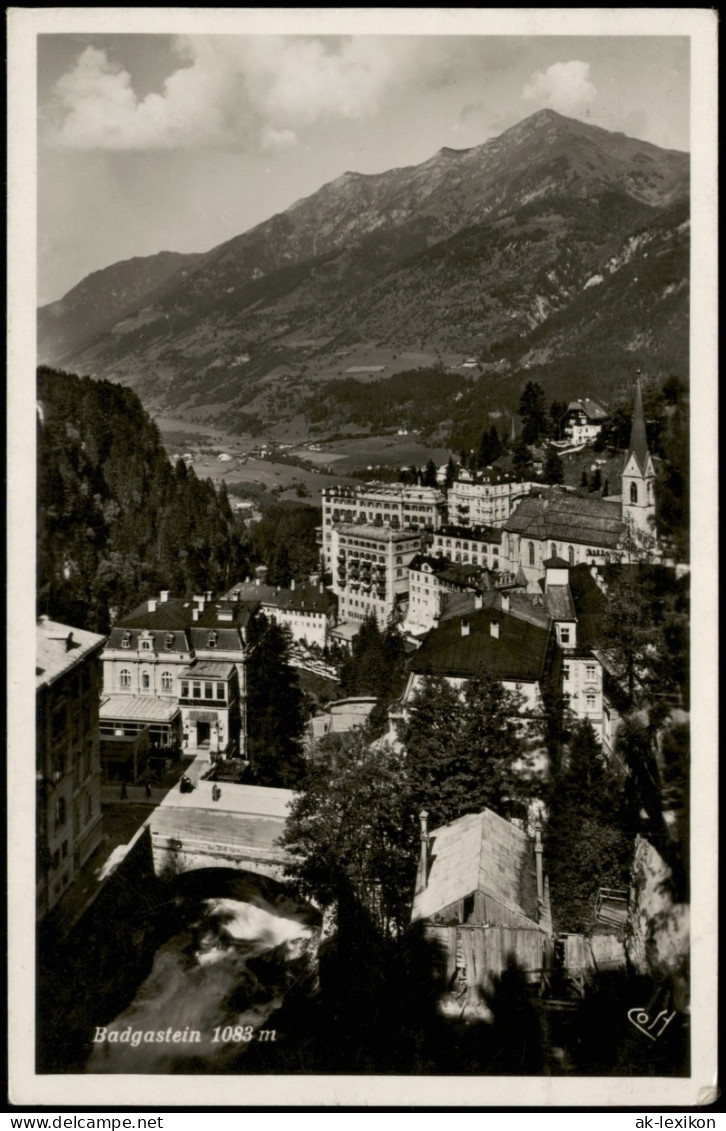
point(177, 667)
point(475, 545)
point(430, 580)
point(306, 608)
point(583, 421)
point(390, 505)
point(484, 498)
point(370, 569)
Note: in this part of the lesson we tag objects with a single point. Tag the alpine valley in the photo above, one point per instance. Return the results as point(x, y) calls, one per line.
point(557, 248)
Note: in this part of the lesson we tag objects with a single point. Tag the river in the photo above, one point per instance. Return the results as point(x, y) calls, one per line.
point(235, 949)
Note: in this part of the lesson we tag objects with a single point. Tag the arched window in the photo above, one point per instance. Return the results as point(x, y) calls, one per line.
point(553, 551)
point(633, 492)
point(531, 553)
point(570, 555)
point(166, 681)
point(145, 681)
point(650, 491)
point(61, 811)
point(125, 677)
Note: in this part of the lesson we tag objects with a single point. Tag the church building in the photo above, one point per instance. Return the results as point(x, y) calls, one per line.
point(592, 530)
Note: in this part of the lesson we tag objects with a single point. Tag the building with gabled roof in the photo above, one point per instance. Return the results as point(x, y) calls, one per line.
point(583, 420)
point(482, 896)
point(305, 607)
point(178, 667)
point(521, 652)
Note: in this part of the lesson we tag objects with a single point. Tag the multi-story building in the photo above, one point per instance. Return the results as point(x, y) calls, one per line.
point(475, 545)
point(306, 607)
point(516, 646)
point(177, 667)
point(392, 505)
point(370, 568)
point(431, 579)
point(484, 498)
point(575, 603)
point(68, 770)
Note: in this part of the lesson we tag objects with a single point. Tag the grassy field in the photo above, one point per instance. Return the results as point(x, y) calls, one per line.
point(333, 465)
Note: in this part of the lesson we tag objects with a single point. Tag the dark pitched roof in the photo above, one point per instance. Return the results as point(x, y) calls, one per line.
point(176, 614)
point(559, 604)
point(638, 440)
point(594, 411)
point(590, 603)
point(519, 653)
point(305, 597)
point(556, 563)
point(567, 518)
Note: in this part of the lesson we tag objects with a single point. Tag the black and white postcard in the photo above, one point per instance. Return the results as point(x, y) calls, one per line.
point(363, 495)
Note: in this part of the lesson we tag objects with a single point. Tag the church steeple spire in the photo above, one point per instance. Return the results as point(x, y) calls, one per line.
point(638, 481)
point(638, 439)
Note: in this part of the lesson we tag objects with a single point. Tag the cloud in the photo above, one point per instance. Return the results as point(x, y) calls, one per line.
point(564, 87)
point(229, 91)
point(274, 141)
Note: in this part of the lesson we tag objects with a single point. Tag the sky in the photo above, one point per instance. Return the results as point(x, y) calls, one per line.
point(151, 142)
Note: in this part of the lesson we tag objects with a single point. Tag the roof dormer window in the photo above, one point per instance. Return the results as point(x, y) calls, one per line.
point(145, 645)
point(169, 640)
point(212, 640)
point(126, 640)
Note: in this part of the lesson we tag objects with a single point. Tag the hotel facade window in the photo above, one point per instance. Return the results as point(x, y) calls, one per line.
point(125, 677)
point(167, 681)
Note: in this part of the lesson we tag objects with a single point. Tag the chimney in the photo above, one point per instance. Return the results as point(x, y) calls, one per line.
point(69, 642)
point(208, 595)
point(152, 604)
point(505, 602)
point(195, 614)
point(199, 599)
point(423, 863)
point(538, 863)
point(292, 585)
point(163, 596)
point(478, 601)
point(465, 628)
point(494, 629)
point(314, 578)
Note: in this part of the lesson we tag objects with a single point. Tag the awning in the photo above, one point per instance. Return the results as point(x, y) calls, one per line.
point(139, 708)
point(203, 716)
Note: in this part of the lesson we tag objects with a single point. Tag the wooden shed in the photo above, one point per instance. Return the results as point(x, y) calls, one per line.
point(481, 894)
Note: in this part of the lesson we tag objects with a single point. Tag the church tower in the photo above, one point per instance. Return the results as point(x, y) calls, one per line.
point(638, 506)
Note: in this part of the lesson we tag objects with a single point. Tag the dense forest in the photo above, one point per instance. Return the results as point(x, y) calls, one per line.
point(116, 521)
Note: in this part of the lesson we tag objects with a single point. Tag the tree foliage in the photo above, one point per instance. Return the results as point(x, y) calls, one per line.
point(116, 521)
point(284, 541)
point(588, 844)
point(534, 412)
point(554, 471)
point(463, 747)
point(352, 829)
point(275, 707)
point(375, 666)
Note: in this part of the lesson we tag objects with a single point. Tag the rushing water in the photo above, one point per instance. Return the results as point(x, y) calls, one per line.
point(213, 984)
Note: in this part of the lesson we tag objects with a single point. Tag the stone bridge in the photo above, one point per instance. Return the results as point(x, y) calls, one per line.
point(240, 829)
